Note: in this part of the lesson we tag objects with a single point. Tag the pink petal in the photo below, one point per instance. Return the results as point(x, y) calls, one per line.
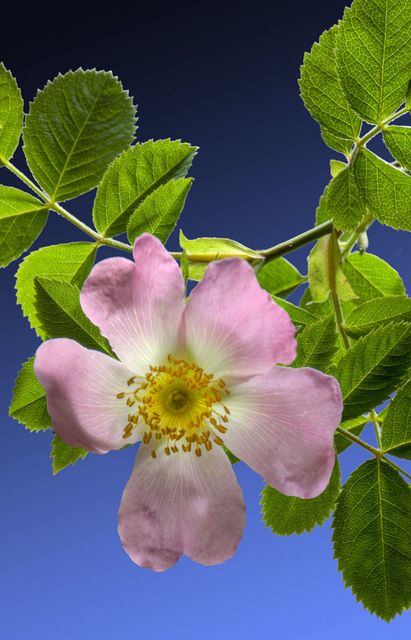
point(138, 307)
point(282, 425)
point(81, 387)
point(233, 327)
point(181, 504)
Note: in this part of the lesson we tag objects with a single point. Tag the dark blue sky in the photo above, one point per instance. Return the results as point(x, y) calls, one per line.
point(224, 78)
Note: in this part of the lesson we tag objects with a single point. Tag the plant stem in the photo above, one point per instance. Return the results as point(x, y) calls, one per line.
point(361, 142)
point(296, 242)
point(376, 452)
point(333, 247)
point(377, 427)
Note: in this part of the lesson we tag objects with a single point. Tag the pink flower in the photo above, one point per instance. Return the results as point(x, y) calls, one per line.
point(190, 378)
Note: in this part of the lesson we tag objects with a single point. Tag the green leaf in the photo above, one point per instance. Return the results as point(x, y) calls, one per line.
point(135, 175)
point(298, 315)
point(396, 433)
point(322, 214)
point(345, 205)
point(76, 126)
point(373, 56)
point(334, 142)
point(232, 458)
point(201, 251)
point(184, 267)
point(317, 345)
point(356, 425)
point(287, 514)
point(398, 141)
point(324, 271)
point(385, 189)
point(370, 277)
point(336, 166)
point(324, 309)
point(159, 212)
point(29, 406)
point(63, 456)
point(372, 523)
point(22, 218)
point(323, 95)
point(279, 277)
point(11, 114)
point(374, 313)
point(65, 262)
point(374, 367)
point(60, 315)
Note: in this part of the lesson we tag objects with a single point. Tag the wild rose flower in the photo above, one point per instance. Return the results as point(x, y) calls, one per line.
point(190, 378)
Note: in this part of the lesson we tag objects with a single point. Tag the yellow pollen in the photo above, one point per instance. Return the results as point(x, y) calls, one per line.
point(177, 402)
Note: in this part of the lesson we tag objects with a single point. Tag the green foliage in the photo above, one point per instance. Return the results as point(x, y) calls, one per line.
point(323, 95)
point(396, 433)
point(29, 406)
point(336, 166)
point(62, 455)
point(287, 514)
point(377, 312)
point(345, 205)
point(22, 218)
point(374, 367)
point(59, 314)
point(317, 345)
point(136, 174)
point(370, 277)
point(11, 114)
point(279, 277)
point(201, 251)
point(372, 522)
point(159, 212)
point(325, 272)
point(373, 49)
point(298, 315)
point(65, 262)
point(385, 189)
point(76, 126)
point(398, 141)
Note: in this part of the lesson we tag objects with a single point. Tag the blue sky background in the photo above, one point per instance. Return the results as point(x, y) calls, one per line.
point(223, 77)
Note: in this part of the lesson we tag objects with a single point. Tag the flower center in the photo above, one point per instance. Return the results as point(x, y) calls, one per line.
point(180, 405)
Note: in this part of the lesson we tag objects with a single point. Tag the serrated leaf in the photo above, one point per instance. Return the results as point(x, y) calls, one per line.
point(321, 213)
point(29, 405)
point(325, 272)
point(159, 212)
point(324, 309)
point(135, 175)
point(65, 262)
point(374, 313)
point(385, 189)
point(356, 425)
point(60, 315)
point(63, 455)
point(76, 126)
point(323, 95)
point(372, 523)
point(11, 114)
point(317, 345)
point(396, 433)
point(22, 218)
point(279, 277)
point(286, 515)
point(374, 367)
point(336, 166)
point(370, 277)
point(298, 315)
point(345, 205)
point(398, 141)
point(334, 142)
point(373, 45)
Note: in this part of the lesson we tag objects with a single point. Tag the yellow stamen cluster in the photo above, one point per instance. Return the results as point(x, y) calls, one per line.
point(181, 406)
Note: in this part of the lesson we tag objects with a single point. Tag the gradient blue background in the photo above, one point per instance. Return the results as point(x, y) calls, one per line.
point(225, 78)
